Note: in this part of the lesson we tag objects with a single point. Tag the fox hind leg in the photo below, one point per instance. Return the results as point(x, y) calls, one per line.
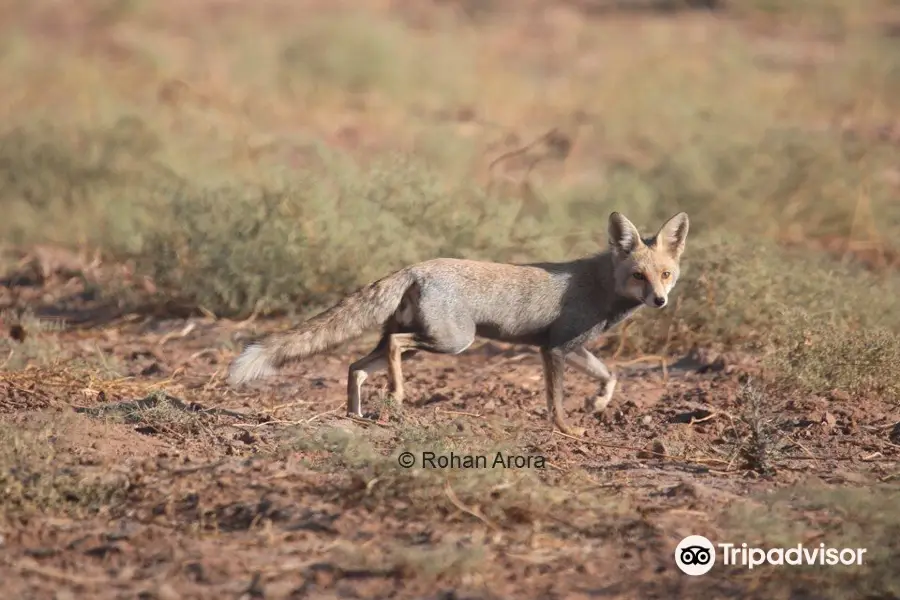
point(398, 344)
point(359, 372)
point(411, 343)
point(584, 361)
point(386, 355)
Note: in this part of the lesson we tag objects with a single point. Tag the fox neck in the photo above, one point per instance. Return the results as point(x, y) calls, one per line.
point(621, 308)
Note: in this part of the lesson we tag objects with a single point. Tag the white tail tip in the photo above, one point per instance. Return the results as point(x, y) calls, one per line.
point(253, 363)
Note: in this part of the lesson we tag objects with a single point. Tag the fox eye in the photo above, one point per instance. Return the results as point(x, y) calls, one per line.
point(638, 275)
point(666, 275)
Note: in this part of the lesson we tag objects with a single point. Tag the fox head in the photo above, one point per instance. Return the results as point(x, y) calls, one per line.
point(646, 269)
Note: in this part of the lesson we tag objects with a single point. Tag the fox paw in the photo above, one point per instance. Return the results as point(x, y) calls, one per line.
point(593, 405)
point(574, 431)
point(597, 404)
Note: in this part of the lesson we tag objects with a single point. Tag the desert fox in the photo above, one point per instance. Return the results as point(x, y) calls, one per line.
point(441, 305)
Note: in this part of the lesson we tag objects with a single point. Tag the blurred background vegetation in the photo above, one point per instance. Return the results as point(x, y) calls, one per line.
point(269, 157)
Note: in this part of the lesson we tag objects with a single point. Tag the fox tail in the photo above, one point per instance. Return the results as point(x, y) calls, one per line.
point(351, 317)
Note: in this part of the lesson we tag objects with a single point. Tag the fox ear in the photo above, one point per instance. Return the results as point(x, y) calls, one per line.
point(673, 234)
point(624, 237)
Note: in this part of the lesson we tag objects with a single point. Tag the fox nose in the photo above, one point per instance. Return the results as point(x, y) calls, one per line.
point(659, 301)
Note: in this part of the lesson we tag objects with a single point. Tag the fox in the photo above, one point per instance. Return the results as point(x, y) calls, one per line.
point(442, 305)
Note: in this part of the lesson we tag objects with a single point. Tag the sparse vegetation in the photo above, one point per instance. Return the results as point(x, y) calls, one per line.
point(821, 356)
point(160, 413)
point(37, 474)
point(846, 518)
point(757, 436)
point(26, 341)
point(503, 493)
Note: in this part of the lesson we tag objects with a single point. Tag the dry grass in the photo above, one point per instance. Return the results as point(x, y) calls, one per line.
point(840, 517)
point(27, 341)
point(159, 413)
point(823, 357)
point(39, 474)
point(755, 440)
point(369, 475)
point(267, 176)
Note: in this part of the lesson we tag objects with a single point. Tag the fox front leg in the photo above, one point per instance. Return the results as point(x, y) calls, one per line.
point(584, 361)
point(554, 363)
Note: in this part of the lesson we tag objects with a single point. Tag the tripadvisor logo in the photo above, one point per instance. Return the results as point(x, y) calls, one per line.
point(696, 555)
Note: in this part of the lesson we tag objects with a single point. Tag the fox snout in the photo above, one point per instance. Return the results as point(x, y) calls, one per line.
point(655, 299)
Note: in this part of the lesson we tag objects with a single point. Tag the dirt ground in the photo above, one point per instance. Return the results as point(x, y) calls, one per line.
point(211, 492)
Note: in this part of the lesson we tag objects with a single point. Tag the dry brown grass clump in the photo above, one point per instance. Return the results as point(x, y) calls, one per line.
point(838, 517)
point(823, 357)
point(38, 473)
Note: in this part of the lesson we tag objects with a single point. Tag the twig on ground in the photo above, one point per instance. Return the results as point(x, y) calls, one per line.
point(455, 501)
point(185, 331)
point(264, 424)
point(322, 414)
